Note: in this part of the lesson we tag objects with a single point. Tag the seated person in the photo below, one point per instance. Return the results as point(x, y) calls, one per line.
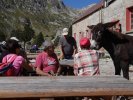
point(3, 50)
point(86, 62)
point(13, 50)
point(28, 67)
point(47, 63)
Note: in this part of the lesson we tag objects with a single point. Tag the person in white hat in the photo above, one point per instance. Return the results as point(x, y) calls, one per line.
point(67, 45)
point(65, 31)
point(28, 66)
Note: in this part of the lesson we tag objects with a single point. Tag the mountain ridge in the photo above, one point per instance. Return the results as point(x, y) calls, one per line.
point(46, 16)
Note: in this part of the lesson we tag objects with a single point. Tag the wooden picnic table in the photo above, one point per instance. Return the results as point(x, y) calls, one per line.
point(67, 67)
point(63, 86)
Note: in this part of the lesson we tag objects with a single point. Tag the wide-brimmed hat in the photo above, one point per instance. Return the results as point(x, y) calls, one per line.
point(14, 38)
point(12, 44)
point(85, 42)
point(65, 31)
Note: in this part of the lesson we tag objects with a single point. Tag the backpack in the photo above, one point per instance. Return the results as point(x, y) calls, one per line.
point(6, 68)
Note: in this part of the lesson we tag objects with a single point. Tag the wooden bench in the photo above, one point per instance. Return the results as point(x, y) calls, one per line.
point(31, 55)
point(47, 88)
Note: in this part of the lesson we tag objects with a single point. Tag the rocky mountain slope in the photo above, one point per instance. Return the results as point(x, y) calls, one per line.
point(46, 16)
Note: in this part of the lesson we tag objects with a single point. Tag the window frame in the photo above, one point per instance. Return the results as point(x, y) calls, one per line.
point(129, 19)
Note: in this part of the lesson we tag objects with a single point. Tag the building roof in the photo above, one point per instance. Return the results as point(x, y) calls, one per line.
point(89, 11)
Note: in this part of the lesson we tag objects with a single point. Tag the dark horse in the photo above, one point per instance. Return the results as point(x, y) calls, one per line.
point(119, 46)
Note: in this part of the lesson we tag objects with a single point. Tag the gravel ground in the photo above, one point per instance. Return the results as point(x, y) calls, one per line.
point(107, 68)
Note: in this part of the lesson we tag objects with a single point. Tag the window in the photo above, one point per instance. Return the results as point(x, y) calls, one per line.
point(75, 36)
point(129, 19)
point(88, 34)
point(132, 18)
point(81, 35)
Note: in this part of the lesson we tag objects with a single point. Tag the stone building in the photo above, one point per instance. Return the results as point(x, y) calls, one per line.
point(105, 11)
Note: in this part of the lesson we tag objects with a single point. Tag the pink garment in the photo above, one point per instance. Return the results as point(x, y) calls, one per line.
point(17, 64)
point(47, 63)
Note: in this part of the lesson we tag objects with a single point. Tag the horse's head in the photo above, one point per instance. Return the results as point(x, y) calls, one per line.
point(98, 32)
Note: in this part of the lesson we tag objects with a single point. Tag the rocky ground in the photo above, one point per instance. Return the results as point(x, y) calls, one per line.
point(107, 67)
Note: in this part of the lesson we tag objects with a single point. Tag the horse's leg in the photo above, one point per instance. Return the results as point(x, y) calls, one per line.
point(117, 68)
point(125, 69)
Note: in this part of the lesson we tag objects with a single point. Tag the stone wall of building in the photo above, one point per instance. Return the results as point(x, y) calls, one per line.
point(81, 26)
point(115, 11)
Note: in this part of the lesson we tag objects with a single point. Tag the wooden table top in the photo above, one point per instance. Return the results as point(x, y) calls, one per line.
point(59, 86)
point(66, 62)
point(62, 62)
